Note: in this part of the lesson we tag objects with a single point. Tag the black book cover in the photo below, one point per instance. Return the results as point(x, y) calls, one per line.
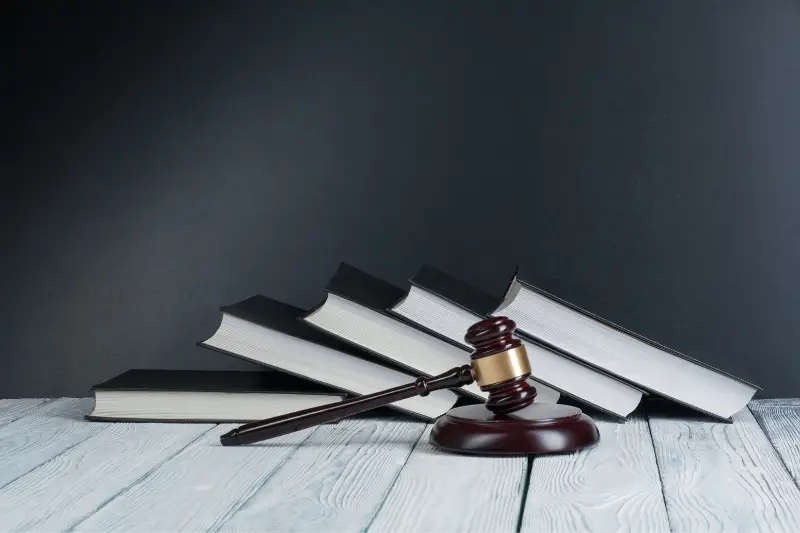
point(520, 276)
point(455, 291)
point(376, 294)
point(477, 302)
point(363, 288)
point(482, 304)
point(380, 296)
point(285, 318)
point(208, 381)
point(232, 381)
point(288, 319)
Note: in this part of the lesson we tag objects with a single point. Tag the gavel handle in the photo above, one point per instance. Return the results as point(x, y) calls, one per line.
point(289, 423)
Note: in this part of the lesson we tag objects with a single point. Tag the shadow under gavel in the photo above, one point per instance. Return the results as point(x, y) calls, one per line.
point(508, 423)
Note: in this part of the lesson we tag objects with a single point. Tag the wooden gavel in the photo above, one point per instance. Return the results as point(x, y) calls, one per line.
point(499, 365)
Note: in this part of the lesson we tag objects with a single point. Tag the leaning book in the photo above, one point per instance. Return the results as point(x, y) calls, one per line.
point(271, 333)
point(621, 352)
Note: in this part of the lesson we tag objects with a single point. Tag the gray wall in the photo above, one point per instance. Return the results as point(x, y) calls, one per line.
point(161, 159)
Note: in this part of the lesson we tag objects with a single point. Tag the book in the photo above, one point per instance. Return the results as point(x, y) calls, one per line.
point(623, 353)
point(273, 334)
point(450, 306)
point(355, 309)
point(204, 396)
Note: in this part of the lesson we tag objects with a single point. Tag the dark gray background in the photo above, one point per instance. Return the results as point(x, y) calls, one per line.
point(161, 159)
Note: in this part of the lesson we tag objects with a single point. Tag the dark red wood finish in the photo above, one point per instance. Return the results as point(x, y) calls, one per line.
point(492, 335)
point(289, 423)
point(536, 429)
point(495, 335)
point(510, 423)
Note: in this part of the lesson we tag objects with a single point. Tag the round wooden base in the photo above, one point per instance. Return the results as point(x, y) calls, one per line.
point(535, 429)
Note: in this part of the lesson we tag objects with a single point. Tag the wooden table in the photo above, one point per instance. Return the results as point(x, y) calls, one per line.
point(653, 473)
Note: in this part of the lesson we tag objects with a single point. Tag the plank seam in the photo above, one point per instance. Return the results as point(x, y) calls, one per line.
point(526, 484)
point(32, 411)
point(62, 452)
point(394, 481)
point(138, 480)
point(777, 452)
point(234, 509)
point(660, 477)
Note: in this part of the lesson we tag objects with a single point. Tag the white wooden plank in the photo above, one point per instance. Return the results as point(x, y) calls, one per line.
point(781, 423)
point(335, 482)
point(612, 486)
point(439, 491)
point(11, 410)
point(723, 477)
point(198, 488)
point(775, 401)
point(42, 434)
point(68, 488)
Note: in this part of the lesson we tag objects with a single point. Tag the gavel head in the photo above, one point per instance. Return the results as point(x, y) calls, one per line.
point(500, 365)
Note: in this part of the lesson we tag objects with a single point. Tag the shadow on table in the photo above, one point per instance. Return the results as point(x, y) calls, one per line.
point(662, 408)
point(650, 406)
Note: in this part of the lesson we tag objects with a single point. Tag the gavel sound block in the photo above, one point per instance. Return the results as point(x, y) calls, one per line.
point(510, 423)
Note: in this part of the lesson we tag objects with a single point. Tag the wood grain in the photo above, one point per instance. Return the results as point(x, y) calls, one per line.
point(612, 486)
point(41, 435)
point(198, 488)
point(335, 482)
point(70, 487)
point(11, 410)
point(781, 423)
point(448, 492)
point(58, 472)
point(775, 401)
point(723, 477)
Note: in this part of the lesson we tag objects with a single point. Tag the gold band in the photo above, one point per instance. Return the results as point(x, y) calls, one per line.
point(501, 366)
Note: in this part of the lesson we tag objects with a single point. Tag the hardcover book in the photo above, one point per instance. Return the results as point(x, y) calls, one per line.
point(204, 396)
point(272, 333)
point(448, 305)
point(621, 352)
point(355, 310)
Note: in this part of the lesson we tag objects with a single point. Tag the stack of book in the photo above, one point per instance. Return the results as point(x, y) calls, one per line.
point(367, 335)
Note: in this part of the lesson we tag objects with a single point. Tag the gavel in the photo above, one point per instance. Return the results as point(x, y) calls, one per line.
point(509, 422)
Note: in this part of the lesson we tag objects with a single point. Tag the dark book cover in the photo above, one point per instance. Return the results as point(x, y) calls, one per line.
point(455, 291)
point(233, 381)
point(363, 288)
point(520, 276)
point(373, 293)
point(379, 295)
point(208, 381)
point(287, 319)
point(479, 303)
point(482, 304)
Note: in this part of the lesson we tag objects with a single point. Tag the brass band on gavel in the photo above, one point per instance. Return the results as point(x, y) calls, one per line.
point(501, 366)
